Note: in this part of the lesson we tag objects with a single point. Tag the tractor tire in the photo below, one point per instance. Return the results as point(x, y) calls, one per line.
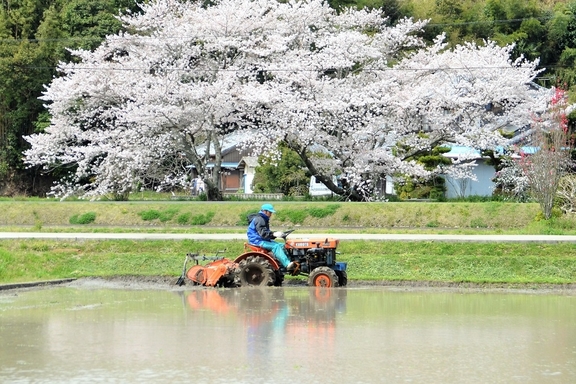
point(279, 278)
point(254, 272)
point(323, 277)
point(342, 278)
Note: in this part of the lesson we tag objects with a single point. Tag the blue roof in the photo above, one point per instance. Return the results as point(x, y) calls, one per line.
point(223, 165)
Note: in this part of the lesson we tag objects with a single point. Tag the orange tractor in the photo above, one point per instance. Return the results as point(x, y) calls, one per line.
point(315, 258)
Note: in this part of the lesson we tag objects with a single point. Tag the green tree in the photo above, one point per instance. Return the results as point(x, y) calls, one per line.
point(87, 22)
point(432, 188)
point(34, 36)
point(288, 175)
point(393, 9)
point(562, 47)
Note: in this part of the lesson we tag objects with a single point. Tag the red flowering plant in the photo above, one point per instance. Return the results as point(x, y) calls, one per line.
point(546, 157)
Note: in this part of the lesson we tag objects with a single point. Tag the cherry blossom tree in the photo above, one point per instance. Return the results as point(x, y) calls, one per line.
point(375, 117)
point(551, 157)
point(146, 105)
point(353, 96)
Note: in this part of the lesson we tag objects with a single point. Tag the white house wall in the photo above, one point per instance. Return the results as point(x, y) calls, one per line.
point(483, 186)
point(248, 178)
point(248, 164)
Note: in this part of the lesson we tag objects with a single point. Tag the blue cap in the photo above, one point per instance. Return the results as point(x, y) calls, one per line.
point(268, 207)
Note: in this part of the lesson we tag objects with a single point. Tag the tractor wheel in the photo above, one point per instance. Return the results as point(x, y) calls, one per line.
point(254, 272)
point(323, 277)
point(342, 278)
point(279, 278)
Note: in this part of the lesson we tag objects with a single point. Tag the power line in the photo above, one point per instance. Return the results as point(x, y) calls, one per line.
point(487, 22)
point(436, 69)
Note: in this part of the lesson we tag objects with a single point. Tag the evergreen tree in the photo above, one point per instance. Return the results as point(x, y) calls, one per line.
point(34, 35)
point(287, 175)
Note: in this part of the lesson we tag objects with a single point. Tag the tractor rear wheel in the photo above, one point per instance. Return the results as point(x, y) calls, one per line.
point(323, 277)
point(254, 272)
point(342, 278)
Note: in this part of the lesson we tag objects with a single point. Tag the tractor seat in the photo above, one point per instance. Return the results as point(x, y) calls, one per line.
point(253, 247)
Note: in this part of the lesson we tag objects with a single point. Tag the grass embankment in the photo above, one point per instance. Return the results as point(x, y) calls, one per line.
point(184, 216)
point(481, 263)
point(442, 262)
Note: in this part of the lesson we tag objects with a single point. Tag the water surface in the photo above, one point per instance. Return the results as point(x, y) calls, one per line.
point(286, 335)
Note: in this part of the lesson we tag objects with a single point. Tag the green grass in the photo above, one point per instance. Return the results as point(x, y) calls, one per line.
point(499, 263)
point(383, 217)
point(446, 262)
point(458, 262)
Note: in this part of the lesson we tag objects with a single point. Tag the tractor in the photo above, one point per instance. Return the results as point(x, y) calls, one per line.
point(315, 258)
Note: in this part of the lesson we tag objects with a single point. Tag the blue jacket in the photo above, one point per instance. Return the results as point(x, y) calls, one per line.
point(259, 229)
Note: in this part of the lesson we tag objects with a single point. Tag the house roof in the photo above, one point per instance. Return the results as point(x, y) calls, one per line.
point(228, 143)
point(457, 151)
point(250, 161)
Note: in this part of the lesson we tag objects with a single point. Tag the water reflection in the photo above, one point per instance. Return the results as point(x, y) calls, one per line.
point(285, 335)
point(271, 318)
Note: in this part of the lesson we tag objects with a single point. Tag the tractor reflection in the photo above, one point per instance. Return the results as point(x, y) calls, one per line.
point(275, 315)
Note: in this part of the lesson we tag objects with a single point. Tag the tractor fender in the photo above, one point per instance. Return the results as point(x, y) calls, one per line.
point(266, 256)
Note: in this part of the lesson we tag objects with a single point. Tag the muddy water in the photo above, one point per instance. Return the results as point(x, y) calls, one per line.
point(285, 335)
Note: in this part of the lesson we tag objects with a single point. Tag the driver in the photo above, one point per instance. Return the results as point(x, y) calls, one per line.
point(259, 234)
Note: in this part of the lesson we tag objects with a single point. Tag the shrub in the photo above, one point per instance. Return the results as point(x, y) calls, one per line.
point(149, 215)
point(555, 213)
point(85, 218)
point(168, 214)
point(294, 216)
point(183, 219)
point(323, 212)
point(202, 219)
point(163, 216)
point(243, 221)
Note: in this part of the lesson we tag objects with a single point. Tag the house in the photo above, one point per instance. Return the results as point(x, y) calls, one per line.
point(234, 163)
point(247, 167)
point(317, 188)
point(484, 172)
point(239, 168)
point(482, 186)
point(237, 171)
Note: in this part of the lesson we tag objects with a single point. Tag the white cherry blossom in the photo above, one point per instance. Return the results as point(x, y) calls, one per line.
point(352, 95)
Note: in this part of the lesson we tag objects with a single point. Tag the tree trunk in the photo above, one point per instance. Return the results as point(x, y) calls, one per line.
point(213, 192)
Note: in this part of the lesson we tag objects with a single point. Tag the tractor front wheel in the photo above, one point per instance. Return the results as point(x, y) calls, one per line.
point(255, 272)
point(323, 277)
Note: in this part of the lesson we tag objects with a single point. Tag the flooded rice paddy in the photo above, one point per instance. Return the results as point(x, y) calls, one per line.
point(83, 334)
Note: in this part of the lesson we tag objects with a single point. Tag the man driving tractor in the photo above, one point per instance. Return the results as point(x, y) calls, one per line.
point(259, 234)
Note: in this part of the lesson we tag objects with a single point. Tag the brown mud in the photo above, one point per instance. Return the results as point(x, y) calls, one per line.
point(169, 283)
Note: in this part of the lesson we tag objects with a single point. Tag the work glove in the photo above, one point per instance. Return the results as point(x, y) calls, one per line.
point(278, 234)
